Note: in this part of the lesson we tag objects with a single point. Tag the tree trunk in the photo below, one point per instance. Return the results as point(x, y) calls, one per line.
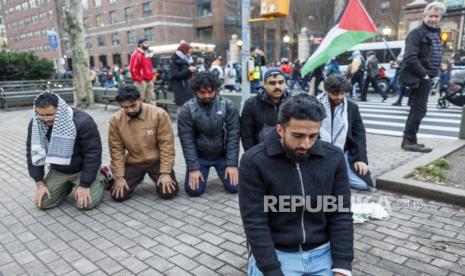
point(83, 94)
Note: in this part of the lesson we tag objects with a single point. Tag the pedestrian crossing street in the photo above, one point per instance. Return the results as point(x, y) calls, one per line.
point(385, 119)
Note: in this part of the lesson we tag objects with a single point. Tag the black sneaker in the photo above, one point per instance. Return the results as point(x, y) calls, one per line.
point(417, 148)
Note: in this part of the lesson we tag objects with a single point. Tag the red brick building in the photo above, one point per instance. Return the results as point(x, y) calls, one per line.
point(27, 23)
point(114, 26)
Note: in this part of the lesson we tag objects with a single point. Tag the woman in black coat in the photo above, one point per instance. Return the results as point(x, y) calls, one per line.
point(181, 70)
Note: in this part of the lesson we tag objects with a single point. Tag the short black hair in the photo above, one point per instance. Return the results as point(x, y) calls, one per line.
point(127, 92)
point(204, 80)
point(301, 107)
point(45, 100)
point(336, 84)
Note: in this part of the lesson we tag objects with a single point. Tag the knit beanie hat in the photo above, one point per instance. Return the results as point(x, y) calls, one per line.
point(184, 47)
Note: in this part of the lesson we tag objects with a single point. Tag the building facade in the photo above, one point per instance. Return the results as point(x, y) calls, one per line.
point(113, 27)
point(27, 24)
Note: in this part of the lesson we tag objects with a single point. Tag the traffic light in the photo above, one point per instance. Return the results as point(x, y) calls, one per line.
point(445, 36)
point(274, 8)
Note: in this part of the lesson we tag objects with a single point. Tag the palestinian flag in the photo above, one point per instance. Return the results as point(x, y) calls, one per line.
point(354, 27)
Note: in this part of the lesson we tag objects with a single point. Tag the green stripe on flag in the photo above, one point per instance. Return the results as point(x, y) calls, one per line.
point(339, 45)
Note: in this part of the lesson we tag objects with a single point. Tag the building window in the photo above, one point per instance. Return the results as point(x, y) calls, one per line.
point(99, 20)
point(115, 39)
point(111, 1)
point(88, 43)
point(85, 22)
point(128, 13)
point(147, 9)
point(205, 34)
point(85, 5)
point(117, 59)
point(113, 17)
point(131, 37)
point(204, 8)
point(101, 41)
point(148, 34)
point(97, 3)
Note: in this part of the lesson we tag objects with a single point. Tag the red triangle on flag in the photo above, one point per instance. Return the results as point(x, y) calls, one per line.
point(355, 18)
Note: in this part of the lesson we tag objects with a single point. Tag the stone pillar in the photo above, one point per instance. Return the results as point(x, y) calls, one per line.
point(303, 45)
point(234, 50)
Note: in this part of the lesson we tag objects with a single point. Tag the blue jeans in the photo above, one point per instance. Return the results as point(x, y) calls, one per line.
point(220, 167)
point(354, 180)
point(316, 262)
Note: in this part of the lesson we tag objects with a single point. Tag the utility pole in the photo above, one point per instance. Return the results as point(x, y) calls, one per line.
point(245, 51)
point(83, 94)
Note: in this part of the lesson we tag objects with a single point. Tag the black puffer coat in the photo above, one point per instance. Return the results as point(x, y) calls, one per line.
point(87, 153)
point(180, 75)
point(256, 112)
point(207, 133)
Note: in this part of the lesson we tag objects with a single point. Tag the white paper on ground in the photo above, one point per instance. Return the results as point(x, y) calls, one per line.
point(364, 211)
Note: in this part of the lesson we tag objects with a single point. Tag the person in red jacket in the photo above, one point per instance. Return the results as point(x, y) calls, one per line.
point(141, 70)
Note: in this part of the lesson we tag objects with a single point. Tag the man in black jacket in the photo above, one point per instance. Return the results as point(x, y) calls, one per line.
point(343, 127)
point(287, 184)
point(69, 141)
point(421, 63)
point(260, 113)
point(209, 130)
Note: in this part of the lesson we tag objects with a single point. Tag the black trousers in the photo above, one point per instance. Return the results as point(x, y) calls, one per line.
point(357, 78)
point(418, 101)
point(374, 84)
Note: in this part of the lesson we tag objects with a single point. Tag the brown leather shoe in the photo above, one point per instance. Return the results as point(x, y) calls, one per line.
point(417, 148)
point(406, 143)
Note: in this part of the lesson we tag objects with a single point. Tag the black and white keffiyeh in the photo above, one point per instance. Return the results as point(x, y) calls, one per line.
point(334, 132)
point(60, 148)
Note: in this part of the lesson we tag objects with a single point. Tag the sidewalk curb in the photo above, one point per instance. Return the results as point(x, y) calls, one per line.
point(396, 181)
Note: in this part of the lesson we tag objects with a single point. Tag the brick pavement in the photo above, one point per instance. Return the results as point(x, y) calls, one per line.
point(200, 236)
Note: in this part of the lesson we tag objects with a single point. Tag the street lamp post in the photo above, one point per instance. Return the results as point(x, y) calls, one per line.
point(387, 31)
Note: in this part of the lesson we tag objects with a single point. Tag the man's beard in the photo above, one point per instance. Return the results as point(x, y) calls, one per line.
point(293, 155)
point(331, 101)
point(134, 115)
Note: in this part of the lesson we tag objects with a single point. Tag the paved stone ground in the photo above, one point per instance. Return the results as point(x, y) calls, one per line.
point(202, 236)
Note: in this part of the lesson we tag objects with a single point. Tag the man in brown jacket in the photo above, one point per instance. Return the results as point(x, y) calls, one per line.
point(141, 142)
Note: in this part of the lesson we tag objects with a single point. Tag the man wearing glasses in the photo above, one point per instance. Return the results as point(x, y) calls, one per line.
point(69, 141)
point(260, 113)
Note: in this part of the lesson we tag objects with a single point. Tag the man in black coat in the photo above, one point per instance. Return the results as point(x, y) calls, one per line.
point(69, 141)
point(260, 113)
point(209, 130)
point(421, 63)
point(294, 198)
point(343, 127)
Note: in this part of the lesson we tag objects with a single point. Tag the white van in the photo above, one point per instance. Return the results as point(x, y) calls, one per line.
point(382, 53)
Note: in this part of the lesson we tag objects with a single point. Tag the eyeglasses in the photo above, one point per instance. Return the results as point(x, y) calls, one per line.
point(46, 117)
point(275, 82)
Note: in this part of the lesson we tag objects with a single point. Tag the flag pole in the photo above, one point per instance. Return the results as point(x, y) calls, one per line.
point(389, 48)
